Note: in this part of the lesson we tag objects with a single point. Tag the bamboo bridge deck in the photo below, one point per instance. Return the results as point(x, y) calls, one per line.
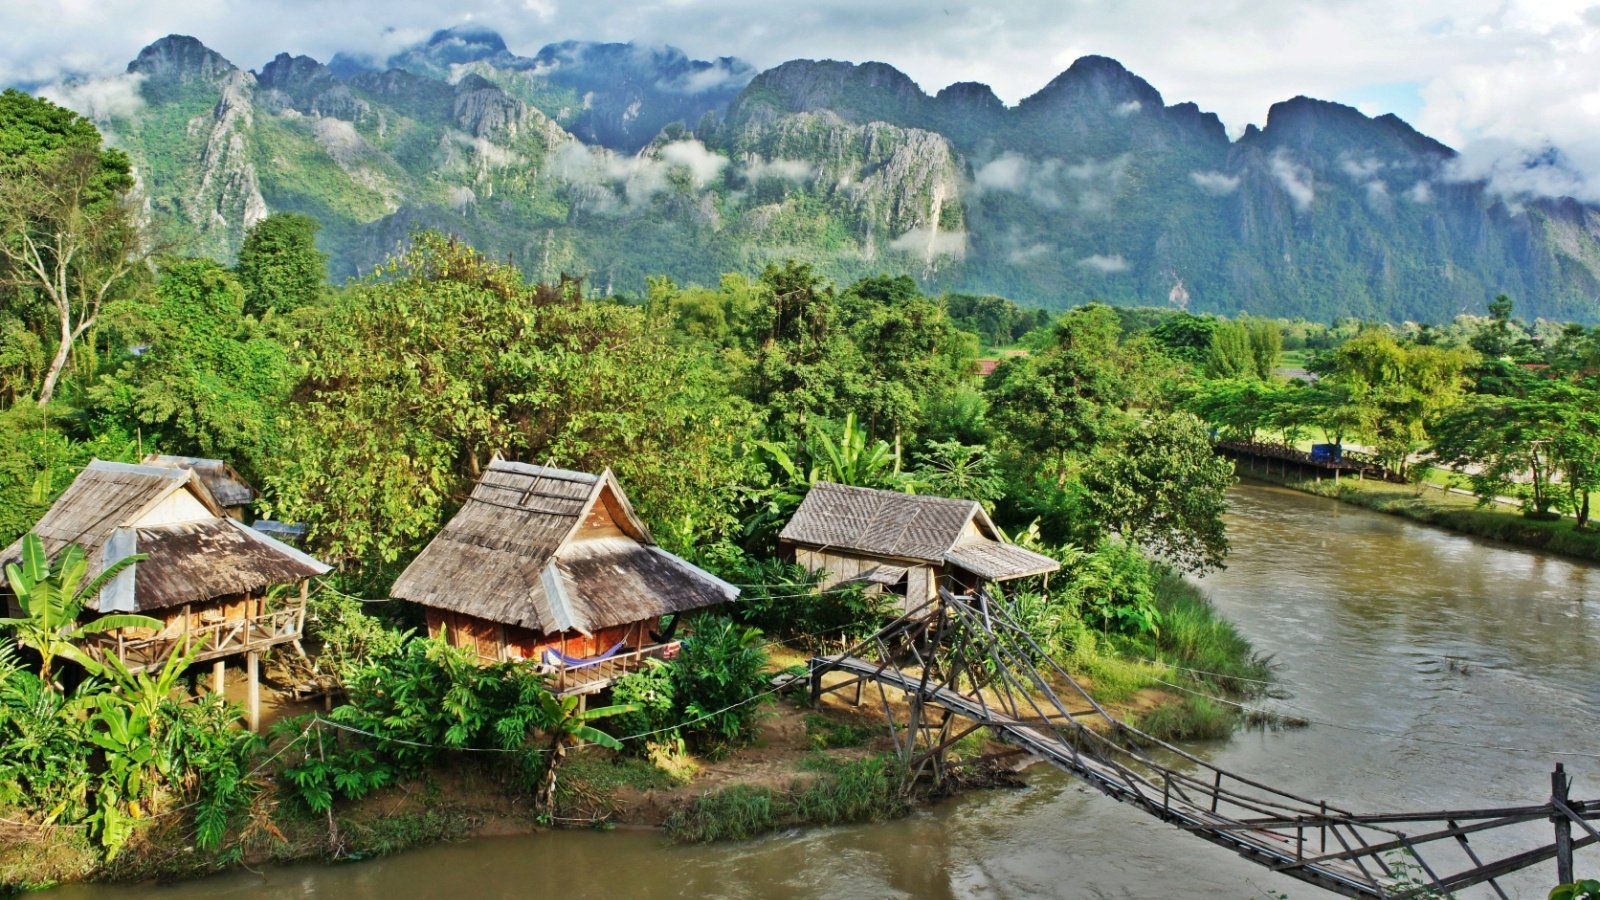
point(961, 664)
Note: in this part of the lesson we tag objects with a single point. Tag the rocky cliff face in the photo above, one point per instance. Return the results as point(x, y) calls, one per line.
point(620, 161)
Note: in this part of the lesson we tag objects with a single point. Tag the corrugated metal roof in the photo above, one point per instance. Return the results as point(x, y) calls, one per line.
point(225, 484)
point(999, 562)
point(881, 523)
point(492, 559)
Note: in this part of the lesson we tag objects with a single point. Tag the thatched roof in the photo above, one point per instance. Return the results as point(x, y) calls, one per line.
point(225, 484)
point(999, 562)
point(196, 553)
point(553, 550)
point(909, 527)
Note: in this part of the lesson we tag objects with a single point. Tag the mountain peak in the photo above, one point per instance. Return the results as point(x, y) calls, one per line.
point(1305, 121)
point(479, 40)
point(856, 91)
point(1098, 80)
point(182, 58)
point(970, 97)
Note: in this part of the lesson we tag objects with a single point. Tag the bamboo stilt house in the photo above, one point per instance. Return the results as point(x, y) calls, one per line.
point(552, 565)
point(206, 576)
point(904, 544)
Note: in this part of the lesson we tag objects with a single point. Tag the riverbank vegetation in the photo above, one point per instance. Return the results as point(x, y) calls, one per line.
point(366, 411)
point(1509, 409)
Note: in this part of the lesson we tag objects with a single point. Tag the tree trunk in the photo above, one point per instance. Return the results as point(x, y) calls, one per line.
point(547, 786)
point(58, 364)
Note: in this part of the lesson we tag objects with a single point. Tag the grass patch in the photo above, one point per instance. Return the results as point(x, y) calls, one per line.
point(1205, 647)
point(1189, 718)
point(604, 775)
point(864, 790)
point(1456, 513)
point(829, 734)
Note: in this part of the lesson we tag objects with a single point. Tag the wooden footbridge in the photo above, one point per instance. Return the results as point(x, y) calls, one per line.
point(960, 664)
point(1260, 455)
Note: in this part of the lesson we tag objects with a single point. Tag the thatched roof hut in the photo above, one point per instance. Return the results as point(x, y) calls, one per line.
point(229, 488)
point(196, 553)
point(903, 542)
point(552, 551)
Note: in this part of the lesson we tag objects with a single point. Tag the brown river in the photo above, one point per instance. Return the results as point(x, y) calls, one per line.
point(1439, 672)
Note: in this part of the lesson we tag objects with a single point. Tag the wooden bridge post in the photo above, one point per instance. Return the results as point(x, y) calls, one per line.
point(1559, 785)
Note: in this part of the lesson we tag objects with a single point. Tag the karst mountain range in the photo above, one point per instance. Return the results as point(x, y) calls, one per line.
point(618, 162)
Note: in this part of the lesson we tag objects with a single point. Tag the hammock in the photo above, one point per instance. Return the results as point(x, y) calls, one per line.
point(555, 657)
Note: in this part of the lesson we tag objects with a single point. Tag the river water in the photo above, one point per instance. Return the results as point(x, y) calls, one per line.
point(1427, 661)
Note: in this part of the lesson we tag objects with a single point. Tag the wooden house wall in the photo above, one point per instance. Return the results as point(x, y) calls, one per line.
point(921, 579)
point(492, 641)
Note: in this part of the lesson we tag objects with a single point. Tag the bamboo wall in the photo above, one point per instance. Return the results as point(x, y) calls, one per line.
point(494, 642)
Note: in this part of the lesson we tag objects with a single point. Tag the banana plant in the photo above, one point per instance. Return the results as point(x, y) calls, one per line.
point(567, 725)
point(52, 596)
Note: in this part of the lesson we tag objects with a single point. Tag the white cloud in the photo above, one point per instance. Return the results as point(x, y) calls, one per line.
point(703, 166)
point(1027, 254)
point(929, 243)
point(1377, 194)
point(1105, 265)
point(1360, 169)
point(1421, 192)
point(1006, 172)
point(1127, 109)
point(782, 169)
point(99, 99)
point(613, 182)
point(1215, 183)
point(1295, 179)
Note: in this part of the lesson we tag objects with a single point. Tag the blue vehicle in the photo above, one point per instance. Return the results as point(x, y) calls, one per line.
point(1327, 453)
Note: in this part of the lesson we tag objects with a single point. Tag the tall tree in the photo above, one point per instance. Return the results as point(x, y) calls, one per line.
point(421, 373)
point(1164, 488)
point(67, 232)
point(280, 266)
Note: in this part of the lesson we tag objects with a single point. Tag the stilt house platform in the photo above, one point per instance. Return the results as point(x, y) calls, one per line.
point(552, 565)
point(909, 545)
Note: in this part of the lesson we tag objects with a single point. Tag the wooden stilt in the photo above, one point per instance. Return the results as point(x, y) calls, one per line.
point(252, 662)
point(219, 678)
point(1559, 785)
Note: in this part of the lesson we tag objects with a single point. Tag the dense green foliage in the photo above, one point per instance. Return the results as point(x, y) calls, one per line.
point(279, 265)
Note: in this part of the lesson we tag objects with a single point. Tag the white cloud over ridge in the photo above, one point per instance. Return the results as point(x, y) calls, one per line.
point(1295, 179)
point(929, 243)
point(1105, 265)
point(99, 99)
point(1218, 184)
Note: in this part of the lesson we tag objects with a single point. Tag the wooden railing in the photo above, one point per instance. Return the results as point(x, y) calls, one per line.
point(596, 676)
point(215, 639)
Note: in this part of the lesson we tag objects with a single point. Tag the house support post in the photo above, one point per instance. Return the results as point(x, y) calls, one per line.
point(1559, 785)
point(253, 704)
point(219, 677)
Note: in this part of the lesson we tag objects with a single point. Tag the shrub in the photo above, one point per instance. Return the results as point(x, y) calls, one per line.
point(716, 681)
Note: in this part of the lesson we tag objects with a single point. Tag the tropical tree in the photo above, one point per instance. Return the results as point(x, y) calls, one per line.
point(52, 596)
point(68, 233)
point(280, 266)
point(1164, 488)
